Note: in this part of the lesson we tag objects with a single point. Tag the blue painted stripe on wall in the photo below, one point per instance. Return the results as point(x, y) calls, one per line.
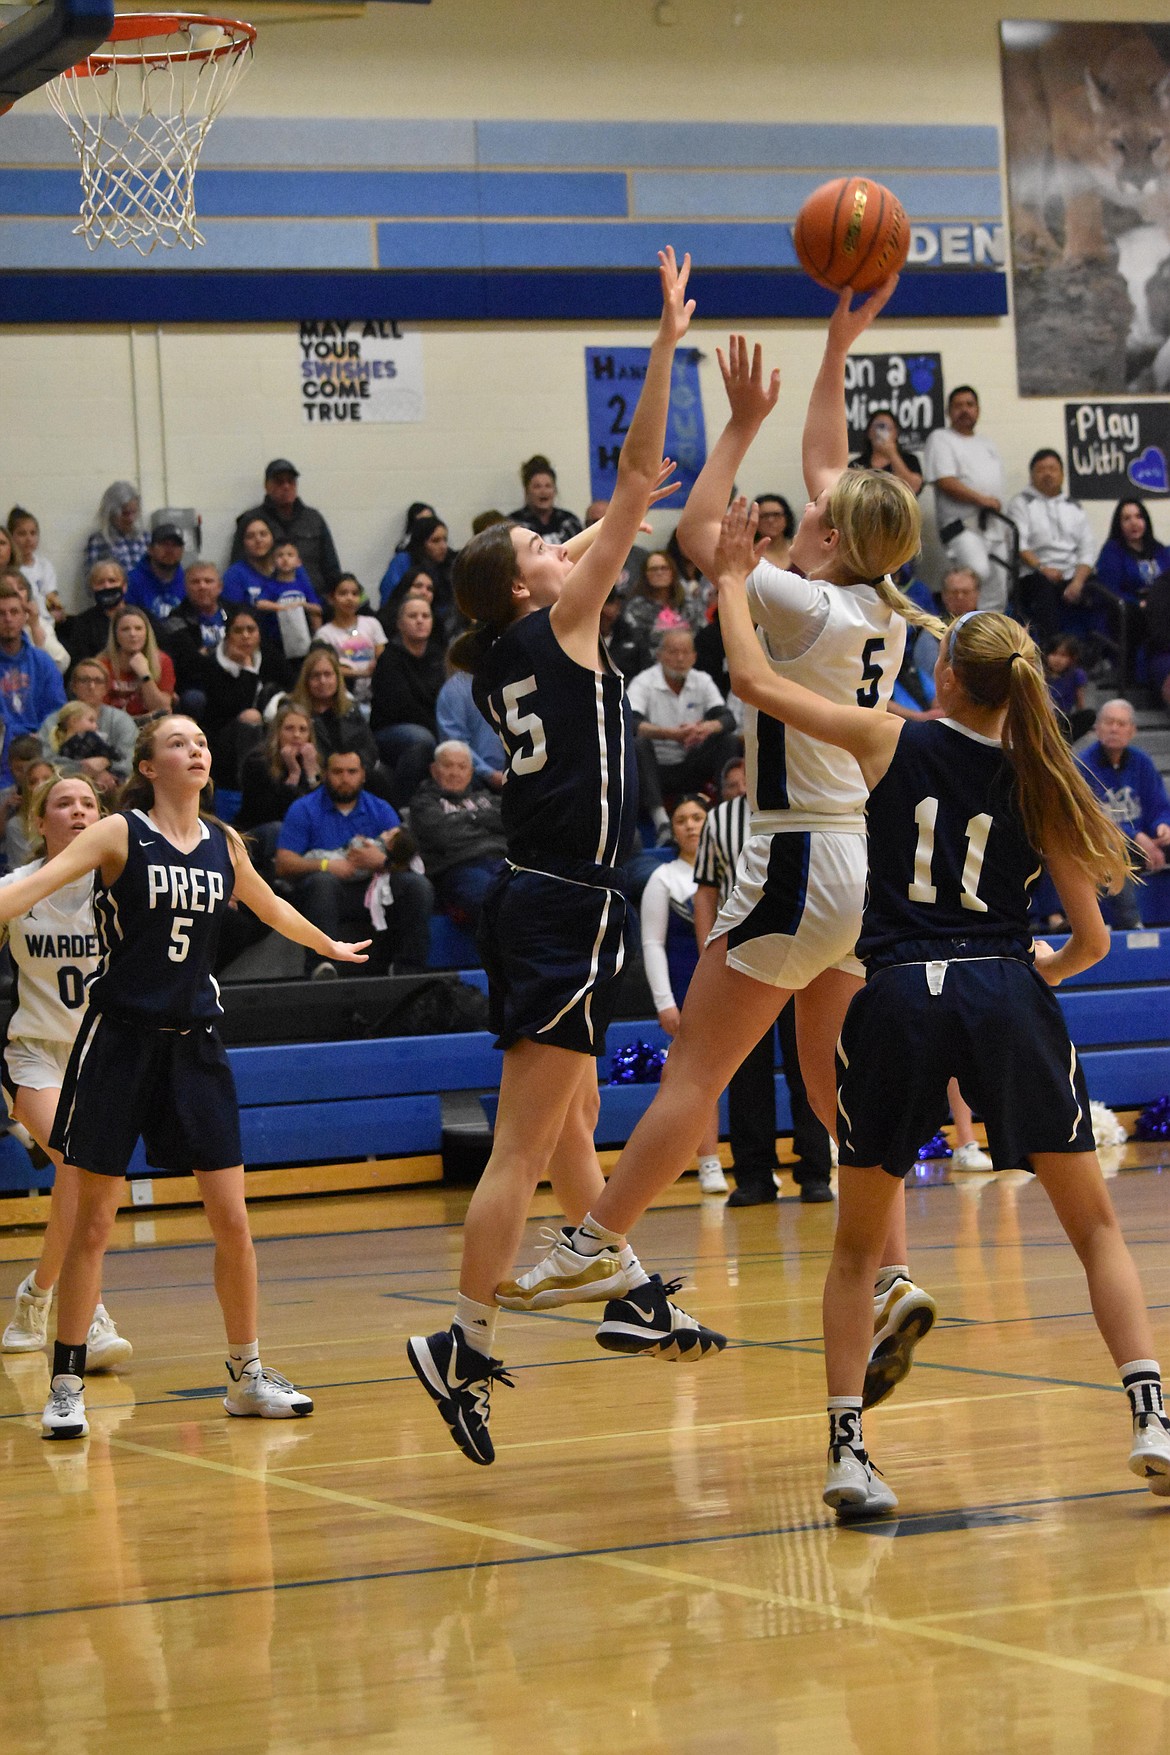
point(739, 296)
point(469, 245)
point(290, 244)
point(778, 194)
point(356, 194)
point(924, 146)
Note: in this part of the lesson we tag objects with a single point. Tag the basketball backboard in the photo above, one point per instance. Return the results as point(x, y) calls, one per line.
point(39, 41)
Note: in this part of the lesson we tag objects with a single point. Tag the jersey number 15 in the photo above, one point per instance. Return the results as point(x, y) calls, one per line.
point(527, 728)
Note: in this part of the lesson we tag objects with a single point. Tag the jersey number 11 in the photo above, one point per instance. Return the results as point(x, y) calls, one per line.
point(978, 829)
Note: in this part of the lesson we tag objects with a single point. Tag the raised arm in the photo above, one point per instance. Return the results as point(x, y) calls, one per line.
point(825, 447)
point(102, 845)
point(576, 615)
point(752, 400)
point(871, 738)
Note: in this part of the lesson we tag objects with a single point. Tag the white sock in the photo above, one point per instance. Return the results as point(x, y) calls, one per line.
point(243, 1353)
point(476, 1323)
point(845, 1422)
point(590, 1238)
point(1142, 1382)
point(887, 1276)
point(710, 1163)
point(636, 1274)
point(30, 1288)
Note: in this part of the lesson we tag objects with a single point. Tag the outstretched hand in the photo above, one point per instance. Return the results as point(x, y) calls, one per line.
point(664, 490)
point(738, 548)
point(677, 309)
point(752, 401)
point(340, 952)
point(846, 325)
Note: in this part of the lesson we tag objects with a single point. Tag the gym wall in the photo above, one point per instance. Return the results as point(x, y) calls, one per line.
point(193, 411)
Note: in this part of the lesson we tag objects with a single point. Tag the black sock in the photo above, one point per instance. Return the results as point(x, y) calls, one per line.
point(68, 1361)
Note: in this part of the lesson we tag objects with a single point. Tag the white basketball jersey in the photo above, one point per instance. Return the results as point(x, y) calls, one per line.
point(846, 645)
point(55, 950)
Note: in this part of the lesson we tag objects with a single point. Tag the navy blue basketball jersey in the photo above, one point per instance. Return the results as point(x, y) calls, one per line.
point(948, 856)
point(571, 792)
point(158, 927)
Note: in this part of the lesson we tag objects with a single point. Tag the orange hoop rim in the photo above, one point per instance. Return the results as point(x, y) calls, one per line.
point(142, 26)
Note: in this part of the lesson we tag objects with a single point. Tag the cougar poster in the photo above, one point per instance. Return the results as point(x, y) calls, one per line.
point(1087, 126)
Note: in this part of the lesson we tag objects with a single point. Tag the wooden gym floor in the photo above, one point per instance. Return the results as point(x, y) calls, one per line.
point(648, 1566)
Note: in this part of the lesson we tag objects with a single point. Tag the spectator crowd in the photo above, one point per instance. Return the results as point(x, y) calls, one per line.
point(346, 745)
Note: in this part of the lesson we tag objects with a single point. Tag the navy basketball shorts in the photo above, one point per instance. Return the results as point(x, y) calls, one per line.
point(174, 1088)
point(554, 951)
point(995, 1026)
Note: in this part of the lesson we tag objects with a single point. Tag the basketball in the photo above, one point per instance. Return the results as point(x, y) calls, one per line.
point(852, 232)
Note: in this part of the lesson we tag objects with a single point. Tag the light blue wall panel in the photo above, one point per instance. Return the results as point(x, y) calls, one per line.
point(840, 146)
point(337, 142)
point(469, 245)
point(779, 194)
point(47, 243)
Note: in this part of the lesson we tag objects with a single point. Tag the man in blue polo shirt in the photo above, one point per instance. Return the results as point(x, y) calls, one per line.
point(333, 843)
point(157, 584)
point(1131, 790)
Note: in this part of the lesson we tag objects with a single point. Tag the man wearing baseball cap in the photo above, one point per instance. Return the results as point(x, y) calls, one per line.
point(157, 584)
point(289, 518)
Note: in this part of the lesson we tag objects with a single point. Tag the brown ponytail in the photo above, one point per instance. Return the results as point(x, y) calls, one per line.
point(997, 665)
point(138, 792)
point(483, 576)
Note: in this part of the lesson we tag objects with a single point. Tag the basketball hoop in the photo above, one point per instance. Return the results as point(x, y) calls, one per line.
point(138, 122)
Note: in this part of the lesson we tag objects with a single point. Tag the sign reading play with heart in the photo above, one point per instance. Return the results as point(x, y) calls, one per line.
point(1117, 448)
point(1148, 471)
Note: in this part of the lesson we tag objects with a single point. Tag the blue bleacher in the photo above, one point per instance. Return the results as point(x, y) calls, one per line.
point(316, 1102)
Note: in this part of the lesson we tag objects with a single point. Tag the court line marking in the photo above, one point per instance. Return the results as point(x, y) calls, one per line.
point(1104, 1596)
point(668, 1431)
point(833, 1612)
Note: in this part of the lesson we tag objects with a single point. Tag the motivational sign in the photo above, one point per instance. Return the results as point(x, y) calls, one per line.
point(360, 372)
point(1117, 448)
point(613, 383)
point(907, 386)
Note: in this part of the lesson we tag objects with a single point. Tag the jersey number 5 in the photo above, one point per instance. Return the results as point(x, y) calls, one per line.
point(978, 829)
point(524, 726)
point(871, 673)
point(180, 943)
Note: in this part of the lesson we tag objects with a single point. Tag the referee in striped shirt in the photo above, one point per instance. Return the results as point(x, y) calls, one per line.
point(751, 1095)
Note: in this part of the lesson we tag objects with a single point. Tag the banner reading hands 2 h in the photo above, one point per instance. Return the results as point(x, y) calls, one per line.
point(613, 383)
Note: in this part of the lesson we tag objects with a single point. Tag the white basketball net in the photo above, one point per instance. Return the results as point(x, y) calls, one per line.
point(138, 122)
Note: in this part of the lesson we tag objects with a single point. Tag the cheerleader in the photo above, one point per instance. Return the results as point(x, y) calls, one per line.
point(670, 954)
point(553, 929)
point(54, 952)
point(790, 925)
point(963, 811)
point(147, 1059)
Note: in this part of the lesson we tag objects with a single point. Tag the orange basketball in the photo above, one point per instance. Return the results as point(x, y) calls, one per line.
point(852, 232)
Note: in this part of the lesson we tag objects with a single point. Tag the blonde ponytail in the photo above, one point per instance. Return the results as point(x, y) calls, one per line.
point(997, 664)
point(905, 607)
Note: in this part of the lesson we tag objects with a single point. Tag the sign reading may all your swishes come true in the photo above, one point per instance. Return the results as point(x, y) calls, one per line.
point(1117, 449)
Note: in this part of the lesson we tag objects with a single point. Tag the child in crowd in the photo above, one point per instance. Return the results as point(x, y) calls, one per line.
point(17, 839)
point(1066, 681)
point(76, 738)
point(290, 608)
point(358, 640)
point(41, 574)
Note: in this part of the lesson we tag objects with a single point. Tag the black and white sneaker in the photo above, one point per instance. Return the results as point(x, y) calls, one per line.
point(64, 1415)
point(645, 1321)
point(853, 1486)
point(460, 1380)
